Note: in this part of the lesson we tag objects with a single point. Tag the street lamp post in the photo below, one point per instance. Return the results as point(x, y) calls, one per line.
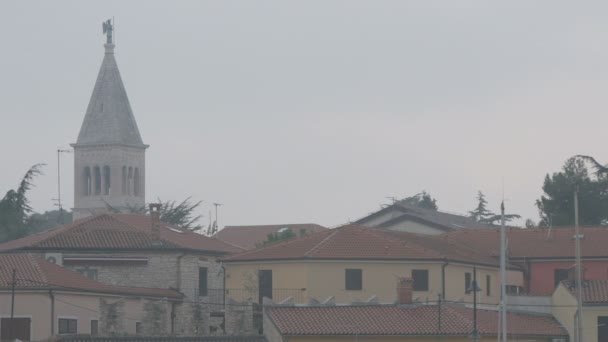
point(474, 288)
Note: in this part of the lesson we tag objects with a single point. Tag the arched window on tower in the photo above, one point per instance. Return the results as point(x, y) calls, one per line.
point(130, 181)
point(86, 181)
point(97, 173)
point(106, 180)
point(124, 180)
point(136, 184)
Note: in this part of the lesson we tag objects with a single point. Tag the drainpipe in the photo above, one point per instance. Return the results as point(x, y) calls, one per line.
point(173, 317)
point(445, 264)
point(52, 297)
point(223, 285)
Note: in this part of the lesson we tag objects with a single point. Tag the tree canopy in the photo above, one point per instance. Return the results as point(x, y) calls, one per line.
point(15, 207)
point(483, 215)
point(422, 200)
point(556, 205)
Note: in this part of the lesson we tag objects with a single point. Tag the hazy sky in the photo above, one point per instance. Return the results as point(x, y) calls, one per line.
point(314, 111)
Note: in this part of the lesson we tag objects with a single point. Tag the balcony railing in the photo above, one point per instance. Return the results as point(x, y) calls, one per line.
point(220, 296)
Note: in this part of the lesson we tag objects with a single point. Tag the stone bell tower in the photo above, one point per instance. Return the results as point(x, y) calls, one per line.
point(109, 155)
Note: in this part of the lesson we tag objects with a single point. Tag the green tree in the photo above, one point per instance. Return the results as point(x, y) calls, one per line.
point(556, 205)
point(422, 200)
point(182, 214)
point(37, 222)
point(481, 213)
point(281, 235)
point(15, 208)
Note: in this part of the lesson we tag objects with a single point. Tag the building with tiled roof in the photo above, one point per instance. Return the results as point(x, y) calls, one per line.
point(404, 217)
point(51, 300)
point(87, 338)
point(401, 323)
point(140, 251)
point(353, 263)
point(250, 237)
point(544, 254)
point(595, 308)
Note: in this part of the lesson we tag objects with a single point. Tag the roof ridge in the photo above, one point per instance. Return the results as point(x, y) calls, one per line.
point(321, 243)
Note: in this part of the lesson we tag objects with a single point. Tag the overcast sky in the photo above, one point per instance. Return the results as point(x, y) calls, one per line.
point(314, 111)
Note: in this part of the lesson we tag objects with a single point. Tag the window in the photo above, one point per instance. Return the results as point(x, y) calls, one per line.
point(86, 181)
point(97, 174)
point(353, 279)
point(17, 328)
point(138, 328)
point(94, 327)
point(559, 275)
point(136, 182)
point(130, 181)
point(124, 180)
point(88, 272)
point(421, 280)
point(107, 179)
point(488, 285)
point(602, 328)
point(68, 326)
point(264, 284)
point(202, 281)
point(513, 289)
point(467, 282)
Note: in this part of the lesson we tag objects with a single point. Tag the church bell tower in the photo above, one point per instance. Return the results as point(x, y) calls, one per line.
point(109, 155)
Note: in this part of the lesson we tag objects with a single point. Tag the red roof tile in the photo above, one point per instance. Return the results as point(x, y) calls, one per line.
point(357, 242)
point(406, 320)
point(248, 237)
point(535, 243)
point(118, 231)
point(36, 273)
point(594, 291)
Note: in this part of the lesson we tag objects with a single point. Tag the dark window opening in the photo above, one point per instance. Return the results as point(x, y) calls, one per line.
point(559, 275)
point(264, 284)
point(107, 180)
point(86, 181)
point(17, 328)
point(202, 281)
point(138, 328)
point(353, 279)
point(130, 181)
point(421, 280)
point(488, 285)
point(88, 272)
point(602, 328)
point(124, 180)
point(136, 182)
point(97, 174)
point(68, 326)
point(467, 282)
point(94, 327)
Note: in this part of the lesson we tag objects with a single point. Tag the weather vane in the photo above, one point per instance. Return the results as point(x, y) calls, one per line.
point(107, 30)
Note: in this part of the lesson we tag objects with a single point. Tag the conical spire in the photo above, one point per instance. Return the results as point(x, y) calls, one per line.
point(109, 119)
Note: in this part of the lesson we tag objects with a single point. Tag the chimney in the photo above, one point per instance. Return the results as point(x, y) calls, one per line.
point(155, 222)
point(404, 290)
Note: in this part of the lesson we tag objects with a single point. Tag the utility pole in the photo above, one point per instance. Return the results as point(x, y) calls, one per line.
point(475, 288)
point(10, 326)
point(579, 276)
point(503, 274)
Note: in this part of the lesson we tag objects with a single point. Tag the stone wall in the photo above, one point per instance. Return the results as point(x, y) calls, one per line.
point(170, 270)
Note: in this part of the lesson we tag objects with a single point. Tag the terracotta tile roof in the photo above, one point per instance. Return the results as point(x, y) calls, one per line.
point(36, 273)
point(361, 243)
point(118, 231)
point(535, 243)
point(401, 211)
point(406, 320)
point(594, 291)
point(88, 338)
point(248, 237)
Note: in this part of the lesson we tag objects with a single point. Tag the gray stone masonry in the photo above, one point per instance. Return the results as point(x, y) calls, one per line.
point(111, 317)
point(239, 318)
